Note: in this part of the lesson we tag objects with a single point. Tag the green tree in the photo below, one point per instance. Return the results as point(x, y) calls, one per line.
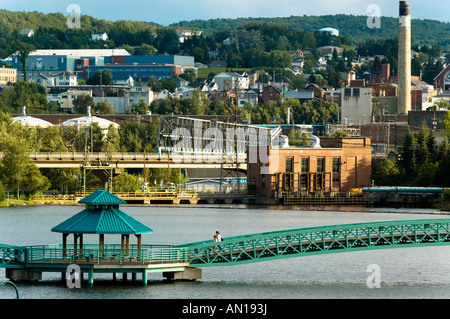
point(103, 107)
point(125, 182)
point(408, 154)
point(81, 102)
point(22, 50)
point(141, 108)
point(103, 77)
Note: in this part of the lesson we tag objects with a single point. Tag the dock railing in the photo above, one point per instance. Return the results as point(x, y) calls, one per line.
point(112, 254)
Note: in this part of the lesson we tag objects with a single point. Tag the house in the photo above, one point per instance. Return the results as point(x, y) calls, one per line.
point(303, 97)
point(180, 82)
point(218, 64)
point(442, 80)
point(65, 99)
point(184, 34)
point(271, 93)
point(99, 37)
point(231, 80)
point(123, 101)
point(39, 78)
point(66, 79)
point(329, 49)
point(247, 96)
point(27, 33)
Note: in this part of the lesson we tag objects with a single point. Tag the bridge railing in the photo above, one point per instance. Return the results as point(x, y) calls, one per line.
point(12, 256)
point(55, 254)
point(319, 240)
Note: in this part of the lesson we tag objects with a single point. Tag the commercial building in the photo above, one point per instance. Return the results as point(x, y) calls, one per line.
point(337, 166)
point(7, 75)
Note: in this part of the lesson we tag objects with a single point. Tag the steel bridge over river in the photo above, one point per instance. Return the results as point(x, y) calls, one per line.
point(177, 261)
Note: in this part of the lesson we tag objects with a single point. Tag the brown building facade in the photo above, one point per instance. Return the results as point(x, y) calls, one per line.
point(340, 164)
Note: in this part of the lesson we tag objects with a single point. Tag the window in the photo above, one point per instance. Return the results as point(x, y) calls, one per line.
point(320, 165)
point(336, 165)
point(289, 164)
point(305, 165)
point(336, 170)
point(347, 92)
point(355, 92)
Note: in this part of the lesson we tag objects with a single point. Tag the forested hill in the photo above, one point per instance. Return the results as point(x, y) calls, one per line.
point(350, 26)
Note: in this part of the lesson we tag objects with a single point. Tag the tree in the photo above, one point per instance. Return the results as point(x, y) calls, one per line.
point(16, 170)
point(125, 182)
point(103, 77)
point(81, 102)
point(386, 172)
point(189, 75)
point(408, 154)
point(22, 50)
point(141, 108)
point(103, 107)
point(145, 49)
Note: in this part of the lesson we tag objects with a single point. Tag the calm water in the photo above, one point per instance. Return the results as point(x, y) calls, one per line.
point(405, 273)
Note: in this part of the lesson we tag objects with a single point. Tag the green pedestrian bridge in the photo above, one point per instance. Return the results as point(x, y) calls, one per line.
point(231, 251)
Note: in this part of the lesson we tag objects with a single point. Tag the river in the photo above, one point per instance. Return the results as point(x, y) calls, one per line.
point(422, 272)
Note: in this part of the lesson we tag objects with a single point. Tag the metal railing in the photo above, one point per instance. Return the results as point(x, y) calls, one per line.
point(112, 254)
point(319, 240)
point(12, 256)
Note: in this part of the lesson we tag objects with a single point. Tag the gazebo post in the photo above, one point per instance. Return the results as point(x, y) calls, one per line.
point(139, 244)
point(101, 244)
point(81, 244)
point(64, 241)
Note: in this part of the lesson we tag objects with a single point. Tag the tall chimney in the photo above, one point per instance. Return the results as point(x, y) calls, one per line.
point(404, 59)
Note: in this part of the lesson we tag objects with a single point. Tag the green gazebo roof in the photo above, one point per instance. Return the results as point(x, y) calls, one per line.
point(101, 220)
point(102, 197)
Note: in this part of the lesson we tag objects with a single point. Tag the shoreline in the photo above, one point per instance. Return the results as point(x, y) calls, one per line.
point(342, 208)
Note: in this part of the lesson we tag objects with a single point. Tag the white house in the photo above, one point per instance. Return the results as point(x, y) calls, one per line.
point(99, 37)
point(122, 104)
point(249, 96)
point(66, 78)
point(27, 32)
point(231, 80)
point(65, 99)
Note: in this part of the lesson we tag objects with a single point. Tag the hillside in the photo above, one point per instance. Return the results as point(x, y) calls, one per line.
point(350, 26)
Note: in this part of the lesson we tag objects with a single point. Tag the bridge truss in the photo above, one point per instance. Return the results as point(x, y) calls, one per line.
point(319, 240)
point(200, 140)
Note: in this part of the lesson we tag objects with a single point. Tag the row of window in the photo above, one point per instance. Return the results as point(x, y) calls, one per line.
point(305, 165)
point(7, 71)
point(7, 79)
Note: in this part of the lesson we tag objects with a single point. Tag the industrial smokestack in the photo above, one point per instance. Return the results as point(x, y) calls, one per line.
point(404, 59)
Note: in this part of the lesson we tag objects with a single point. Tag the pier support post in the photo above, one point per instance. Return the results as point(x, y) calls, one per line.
point(91, 277)
point(144, 277)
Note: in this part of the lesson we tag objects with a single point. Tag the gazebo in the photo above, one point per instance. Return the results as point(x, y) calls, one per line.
point(102, 216)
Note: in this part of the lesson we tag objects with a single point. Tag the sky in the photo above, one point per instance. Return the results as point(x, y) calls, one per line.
point(166, 12)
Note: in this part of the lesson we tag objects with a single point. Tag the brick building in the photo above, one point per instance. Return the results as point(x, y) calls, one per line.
point(338, 165)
